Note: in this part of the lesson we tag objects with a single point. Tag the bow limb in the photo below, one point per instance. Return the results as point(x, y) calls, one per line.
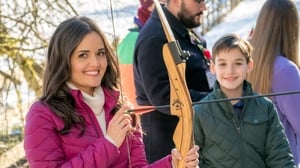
point(180, 105)
point(180, 101)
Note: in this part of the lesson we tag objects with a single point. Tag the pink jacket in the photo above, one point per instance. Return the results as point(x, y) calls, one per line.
point(45, 147)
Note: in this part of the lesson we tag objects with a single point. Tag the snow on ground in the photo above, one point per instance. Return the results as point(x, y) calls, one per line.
point(114, 17)
point(239, 21)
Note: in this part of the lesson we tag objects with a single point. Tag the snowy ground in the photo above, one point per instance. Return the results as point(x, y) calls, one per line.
point(239, 21)
point(115, 17)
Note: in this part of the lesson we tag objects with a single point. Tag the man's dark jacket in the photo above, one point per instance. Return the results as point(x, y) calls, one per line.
point(152, 82)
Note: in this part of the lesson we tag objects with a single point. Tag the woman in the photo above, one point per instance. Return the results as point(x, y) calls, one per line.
point(78, 121)
point(275, 42)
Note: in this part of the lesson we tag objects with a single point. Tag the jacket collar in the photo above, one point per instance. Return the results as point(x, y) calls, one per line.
point(111, 97)
point(247, 89)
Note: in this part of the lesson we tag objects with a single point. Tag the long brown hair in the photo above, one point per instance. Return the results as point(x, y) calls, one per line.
point(63, 42)
point(276, 33)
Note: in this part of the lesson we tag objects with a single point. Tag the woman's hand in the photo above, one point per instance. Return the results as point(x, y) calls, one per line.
point(191, 159)
point(118, 126)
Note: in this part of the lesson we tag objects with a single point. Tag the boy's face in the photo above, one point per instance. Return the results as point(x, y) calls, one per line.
point(231, 68)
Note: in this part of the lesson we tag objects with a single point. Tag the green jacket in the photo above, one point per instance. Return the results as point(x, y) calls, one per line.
point(255, 140)
point(126, 48)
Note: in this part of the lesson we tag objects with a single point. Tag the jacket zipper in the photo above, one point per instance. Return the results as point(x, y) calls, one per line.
point(240, 123)
point(236, 125)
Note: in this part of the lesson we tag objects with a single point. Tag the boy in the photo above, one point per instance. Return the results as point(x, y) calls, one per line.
point(245, 133)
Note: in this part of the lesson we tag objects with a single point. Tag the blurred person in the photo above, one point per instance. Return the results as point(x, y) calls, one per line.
point(276, 55)
point(239, 133)
point(126, 48)
point(151, 76)
point(79, 120)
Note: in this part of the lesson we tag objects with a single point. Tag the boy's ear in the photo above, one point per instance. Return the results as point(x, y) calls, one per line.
point(250, 65)
point(212, 67)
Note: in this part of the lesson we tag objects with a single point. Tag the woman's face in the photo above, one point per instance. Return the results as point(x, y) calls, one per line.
point(88, 63)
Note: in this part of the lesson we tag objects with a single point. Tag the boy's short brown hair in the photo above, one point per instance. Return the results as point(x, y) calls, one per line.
point(230, 41)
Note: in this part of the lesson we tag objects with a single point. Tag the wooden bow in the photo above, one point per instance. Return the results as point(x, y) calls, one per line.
point(180, 100)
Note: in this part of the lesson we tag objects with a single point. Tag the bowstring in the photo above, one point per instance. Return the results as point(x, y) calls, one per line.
point(151, 108)
point(115, 45)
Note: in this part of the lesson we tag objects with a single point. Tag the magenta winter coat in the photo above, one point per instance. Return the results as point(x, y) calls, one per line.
point(45, 147)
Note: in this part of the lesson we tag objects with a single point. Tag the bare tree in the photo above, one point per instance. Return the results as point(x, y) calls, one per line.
point(25, 26)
